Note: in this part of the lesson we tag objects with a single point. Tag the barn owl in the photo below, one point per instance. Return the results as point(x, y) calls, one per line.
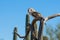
point(34, 13)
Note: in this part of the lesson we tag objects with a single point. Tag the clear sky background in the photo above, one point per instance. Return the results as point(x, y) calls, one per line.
point(13, 12)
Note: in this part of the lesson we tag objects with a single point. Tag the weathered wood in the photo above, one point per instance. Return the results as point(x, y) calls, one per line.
point(34, 30)
point(40, 30)
point(27, 27)
point(14, 34)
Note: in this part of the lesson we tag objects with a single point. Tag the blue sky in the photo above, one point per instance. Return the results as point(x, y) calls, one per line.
point(13, 12)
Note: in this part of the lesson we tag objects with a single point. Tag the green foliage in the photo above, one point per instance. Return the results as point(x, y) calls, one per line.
point(53, 34)
point(45, 38)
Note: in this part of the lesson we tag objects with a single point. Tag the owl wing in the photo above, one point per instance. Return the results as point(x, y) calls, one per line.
point(36, 14)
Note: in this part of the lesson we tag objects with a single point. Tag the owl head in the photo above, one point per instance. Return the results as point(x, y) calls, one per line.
point(31, 10)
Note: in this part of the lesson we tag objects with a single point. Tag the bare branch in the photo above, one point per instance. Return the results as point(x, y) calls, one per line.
point(40, 29)
point(26, 33)
point(32, 29)
point(50, 17)
point(19, 35)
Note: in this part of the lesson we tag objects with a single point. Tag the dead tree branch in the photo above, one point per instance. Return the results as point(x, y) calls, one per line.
point(42, 24)
point(50, 17)
point(19, 35)
point(40, 30)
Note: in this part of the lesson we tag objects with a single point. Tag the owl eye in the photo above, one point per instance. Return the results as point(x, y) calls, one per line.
point(31, 10)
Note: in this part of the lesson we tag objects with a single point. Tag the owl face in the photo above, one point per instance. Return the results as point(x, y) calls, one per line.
point(31, 10)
